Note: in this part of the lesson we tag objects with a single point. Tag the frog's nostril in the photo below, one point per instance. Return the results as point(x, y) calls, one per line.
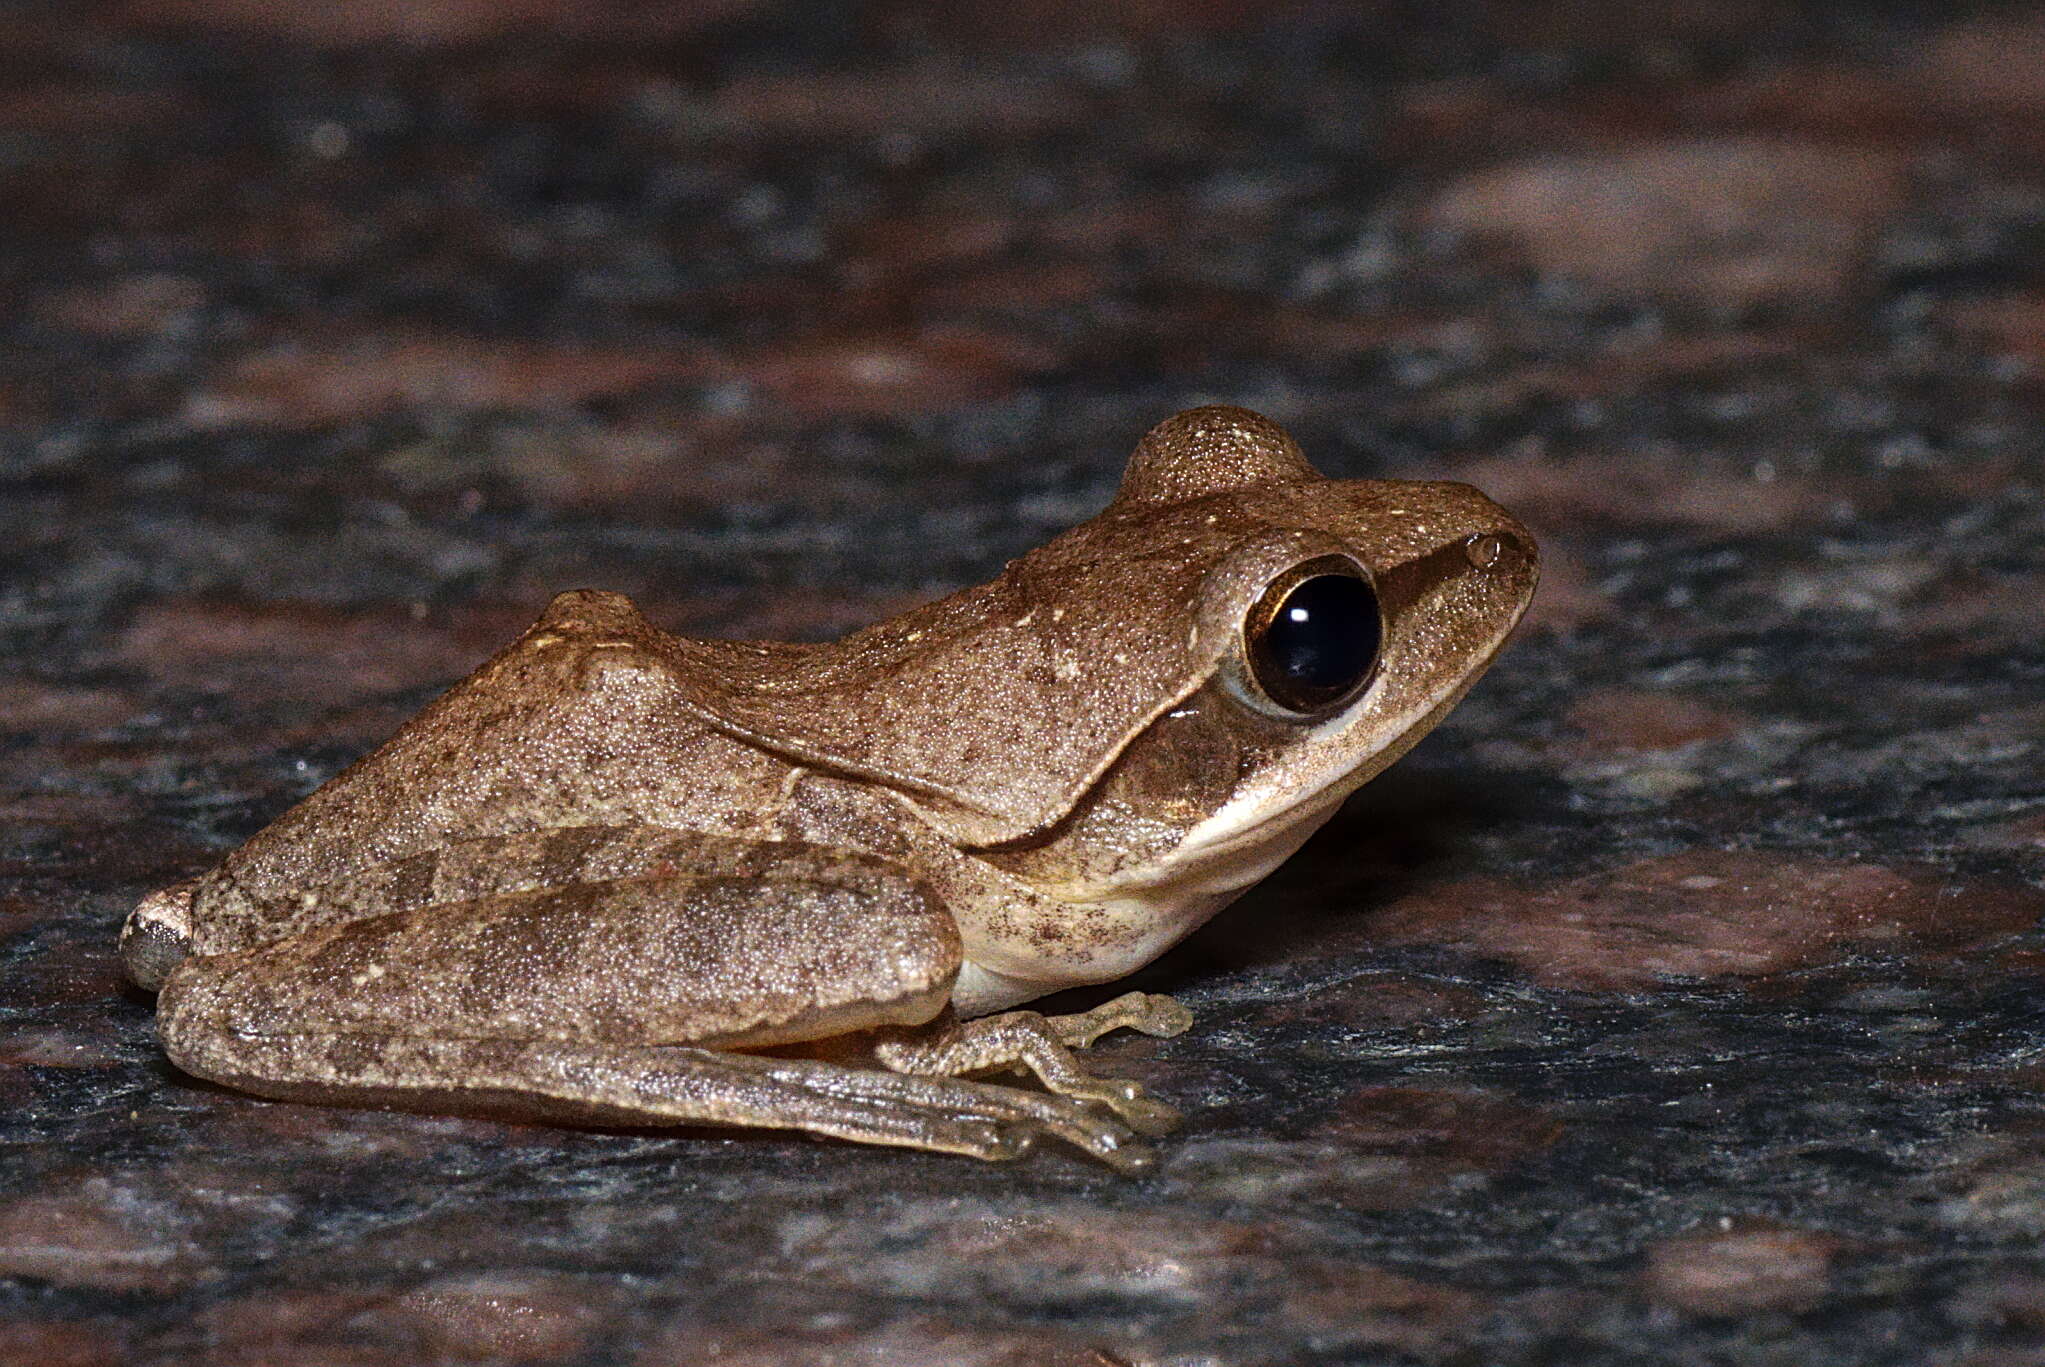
point(1483, 549)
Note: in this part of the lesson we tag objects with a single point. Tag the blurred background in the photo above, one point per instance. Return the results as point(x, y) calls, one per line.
point(1678, 999)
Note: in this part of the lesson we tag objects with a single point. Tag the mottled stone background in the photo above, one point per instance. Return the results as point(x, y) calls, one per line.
point(1682, 1000)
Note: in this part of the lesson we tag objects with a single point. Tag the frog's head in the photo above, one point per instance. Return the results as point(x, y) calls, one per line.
point(1165, 700)
point(1327, 625)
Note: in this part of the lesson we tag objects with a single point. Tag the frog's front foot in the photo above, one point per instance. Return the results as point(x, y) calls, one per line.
point(1147, 1013)
point(1043, 1045)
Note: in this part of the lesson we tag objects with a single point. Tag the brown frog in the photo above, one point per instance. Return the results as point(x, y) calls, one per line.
point(621, 876)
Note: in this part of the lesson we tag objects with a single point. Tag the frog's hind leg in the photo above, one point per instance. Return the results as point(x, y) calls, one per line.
point(622, 1001)
point(582, 1083)
point(1044, 1045)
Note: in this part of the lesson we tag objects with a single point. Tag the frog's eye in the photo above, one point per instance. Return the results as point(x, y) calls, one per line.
point(1312, 640)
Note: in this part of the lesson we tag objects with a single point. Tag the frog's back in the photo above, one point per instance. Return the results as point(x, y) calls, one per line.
point(587, 720)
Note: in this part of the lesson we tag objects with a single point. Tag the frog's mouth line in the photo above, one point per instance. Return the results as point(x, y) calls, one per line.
point(1203, 845)
point(1203, 853)
point(1264, 828)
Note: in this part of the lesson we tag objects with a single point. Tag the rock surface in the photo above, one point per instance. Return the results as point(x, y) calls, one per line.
point(1680, 999)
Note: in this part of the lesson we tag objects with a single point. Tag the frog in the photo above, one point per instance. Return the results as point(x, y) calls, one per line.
point(619, 876)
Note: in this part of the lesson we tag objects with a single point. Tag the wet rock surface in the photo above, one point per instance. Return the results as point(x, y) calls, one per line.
point(1679, 1000)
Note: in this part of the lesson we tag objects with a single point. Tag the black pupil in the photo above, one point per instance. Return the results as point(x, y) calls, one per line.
point(1320, 643)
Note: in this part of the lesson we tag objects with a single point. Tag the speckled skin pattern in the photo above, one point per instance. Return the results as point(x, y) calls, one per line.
point(609, 836)
point(1675, 1001)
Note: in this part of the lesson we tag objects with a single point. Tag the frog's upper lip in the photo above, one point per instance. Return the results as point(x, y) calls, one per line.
point(1265, 826)
point(1227, 861)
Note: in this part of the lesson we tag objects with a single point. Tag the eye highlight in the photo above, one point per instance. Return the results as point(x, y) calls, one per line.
point(1312, 640)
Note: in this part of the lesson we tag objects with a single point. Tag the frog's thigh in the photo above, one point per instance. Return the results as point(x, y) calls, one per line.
point(817, 945)
point(576, 1004)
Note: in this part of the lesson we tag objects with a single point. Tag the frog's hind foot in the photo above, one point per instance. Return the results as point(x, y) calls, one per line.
point(1043, 1045)
point(1023, 1115)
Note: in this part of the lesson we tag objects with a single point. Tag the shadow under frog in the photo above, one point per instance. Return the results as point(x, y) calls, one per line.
point(620, 876)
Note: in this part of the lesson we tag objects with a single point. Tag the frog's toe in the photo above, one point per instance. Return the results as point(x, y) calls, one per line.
point(1164, 1017)
point(1147, 1013)
point(1130, 1156)
point(1086, 1127)
point(995, 1142)
point(1116, 1144)
point(1136, 1107)
point(1113, 1092)
point(1147, 1115)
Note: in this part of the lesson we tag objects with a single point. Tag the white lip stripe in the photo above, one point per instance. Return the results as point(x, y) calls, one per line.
point(1235, 833)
